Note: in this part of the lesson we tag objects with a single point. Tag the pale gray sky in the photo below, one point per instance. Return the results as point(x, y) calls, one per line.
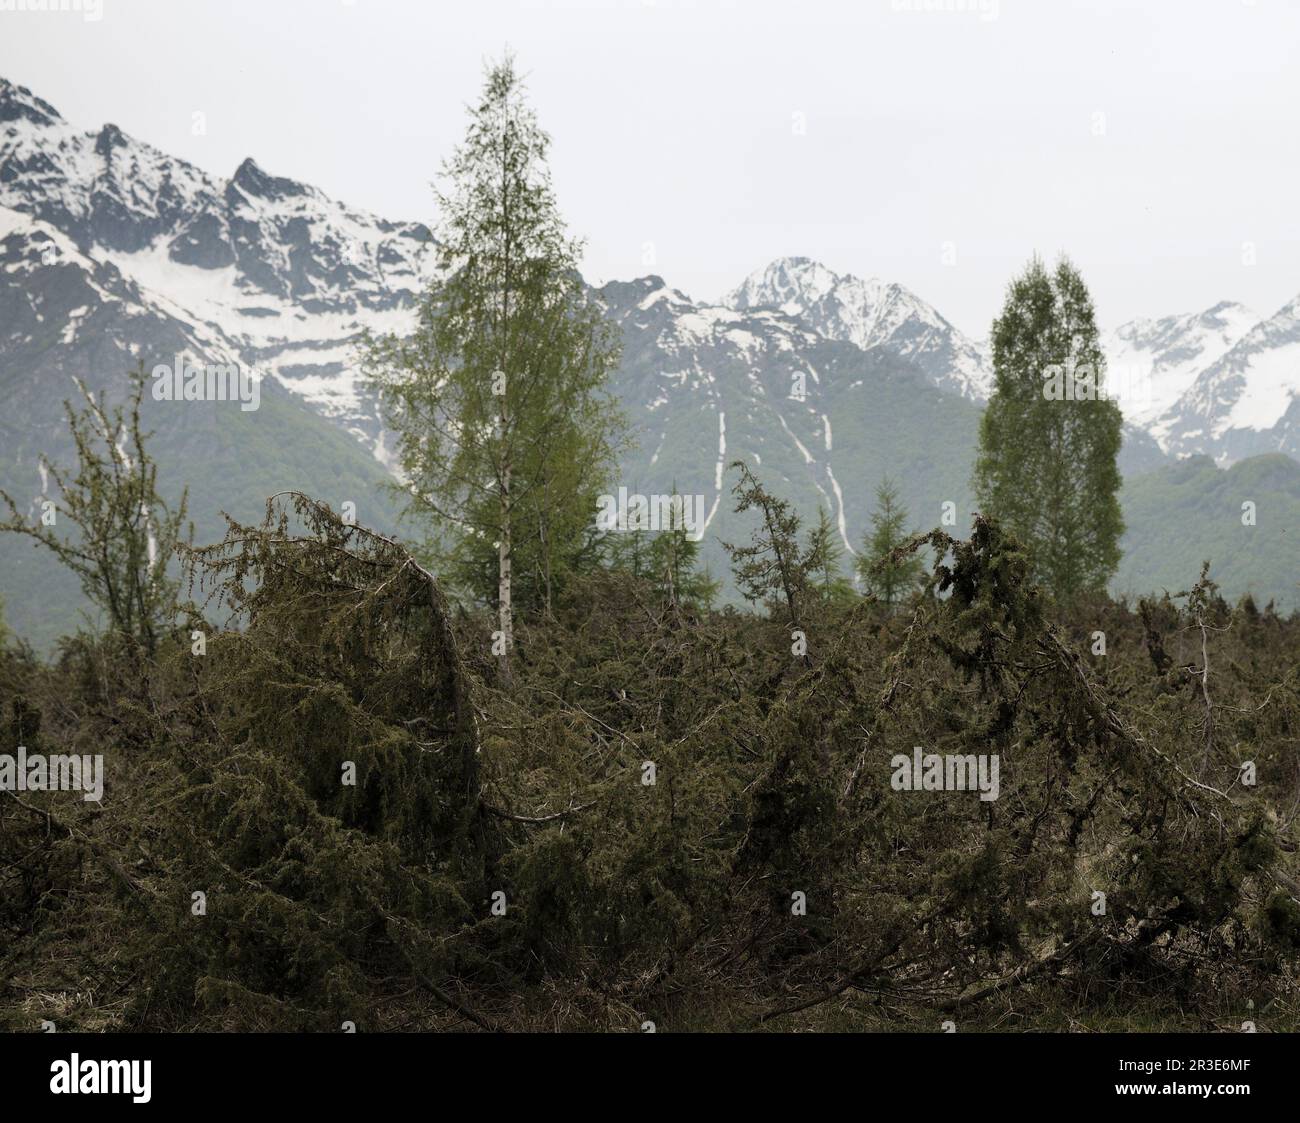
point(675, 124)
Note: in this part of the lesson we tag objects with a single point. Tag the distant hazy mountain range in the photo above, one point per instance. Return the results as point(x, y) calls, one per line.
point(113, 253)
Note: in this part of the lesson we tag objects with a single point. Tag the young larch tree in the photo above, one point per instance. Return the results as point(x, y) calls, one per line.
point(890, 578)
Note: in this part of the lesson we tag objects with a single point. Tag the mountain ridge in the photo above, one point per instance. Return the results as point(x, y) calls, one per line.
point(114, 254)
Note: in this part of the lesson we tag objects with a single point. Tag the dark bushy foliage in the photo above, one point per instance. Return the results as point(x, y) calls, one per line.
point(674, 901)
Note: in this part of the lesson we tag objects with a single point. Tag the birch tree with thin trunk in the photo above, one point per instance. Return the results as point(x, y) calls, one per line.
point(499, 393)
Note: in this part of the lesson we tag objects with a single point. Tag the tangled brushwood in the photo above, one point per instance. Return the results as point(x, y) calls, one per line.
point(330, 809)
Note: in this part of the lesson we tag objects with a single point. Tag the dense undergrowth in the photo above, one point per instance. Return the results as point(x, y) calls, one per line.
point(501, 860)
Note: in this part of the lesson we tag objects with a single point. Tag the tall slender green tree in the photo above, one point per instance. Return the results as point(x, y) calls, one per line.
point(889, 577)
point(506, 435)
point(1049, 438)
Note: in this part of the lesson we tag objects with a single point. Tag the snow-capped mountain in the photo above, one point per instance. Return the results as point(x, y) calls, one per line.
point(74, 315)
point(1150, 364)
point(68, 315)
point(114, 254)
point(870, 313)
point(1247, 401)
point(290, 276)
point(823, 419)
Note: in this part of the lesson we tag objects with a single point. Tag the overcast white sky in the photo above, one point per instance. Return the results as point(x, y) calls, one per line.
point(674, 124)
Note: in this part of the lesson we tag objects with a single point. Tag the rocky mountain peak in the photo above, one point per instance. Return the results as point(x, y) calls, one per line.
point(787, 281)
point(110, 137)
point(869, 313)
point(18, 103)
point(253, 181)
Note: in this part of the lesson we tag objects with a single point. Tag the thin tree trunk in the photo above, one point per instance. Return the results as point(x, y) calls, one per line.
point(504, 608)
point(503, 571)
